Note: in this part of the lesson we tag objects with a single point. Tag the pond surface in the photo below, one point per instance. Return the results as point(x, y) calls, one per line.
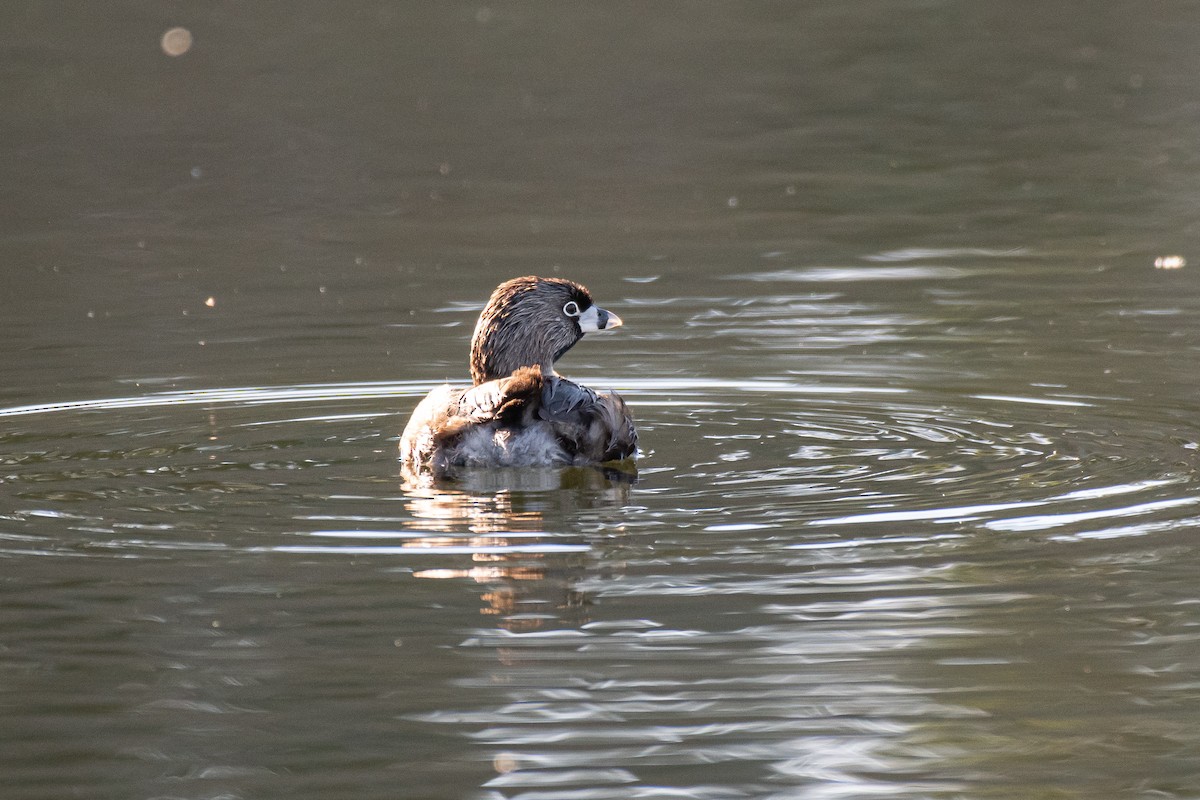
point(917, 509)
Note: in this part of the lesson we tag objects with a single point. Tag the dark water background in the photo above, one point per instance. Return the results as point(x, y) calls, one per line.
point(917, 514)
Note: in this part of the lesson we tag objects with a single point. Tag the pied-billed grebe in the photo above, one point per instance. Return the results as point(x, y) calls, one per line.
point(519, 412)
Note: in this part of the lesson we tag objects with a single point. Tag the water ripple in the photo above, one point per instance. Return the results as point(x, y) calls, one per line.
point(784, 457)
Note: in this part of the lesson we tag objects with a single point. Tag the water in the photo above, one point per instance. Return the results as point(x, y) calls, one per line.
point(916, 511)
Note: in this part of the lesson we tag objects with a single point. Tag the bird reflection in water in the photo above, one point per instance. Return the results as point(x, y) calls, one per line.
point(530, 574)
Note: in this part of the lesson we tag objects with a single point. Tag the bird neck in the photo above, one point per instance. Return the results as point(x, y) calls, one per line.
point(502, 346)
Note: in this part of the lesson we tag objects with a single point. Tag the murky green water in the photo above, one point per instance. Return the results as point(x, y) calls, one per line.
point(917, 510)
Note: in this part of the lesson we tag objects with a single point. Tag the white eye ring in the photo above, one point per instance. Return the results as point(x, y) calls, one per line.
point(571, 309)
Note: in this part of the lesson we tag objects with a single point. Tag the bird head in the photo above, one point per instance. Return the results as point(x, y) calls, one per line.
point(532, 321)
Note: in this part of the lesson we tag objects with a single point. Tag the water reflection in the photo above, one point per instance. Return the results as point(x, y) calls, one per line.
point(525, 591)
point(806, 690)
point(489, 500)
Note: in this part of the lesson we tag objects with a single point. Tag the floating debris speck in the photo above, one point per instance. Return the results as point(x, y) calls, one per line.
point(177, 41)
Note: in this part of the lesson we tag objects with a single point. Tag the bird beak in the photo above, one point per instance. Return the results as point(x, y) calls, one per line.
point(597, 319)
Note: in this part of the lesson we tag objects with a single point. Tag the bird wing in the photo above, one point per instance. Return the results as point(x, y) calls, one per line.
point(591, 426)
point(509, 401)
point(596, 426)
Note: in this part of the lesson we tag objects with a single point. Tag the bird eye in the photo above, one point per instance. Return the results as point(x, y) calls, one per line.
point(571, 309)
